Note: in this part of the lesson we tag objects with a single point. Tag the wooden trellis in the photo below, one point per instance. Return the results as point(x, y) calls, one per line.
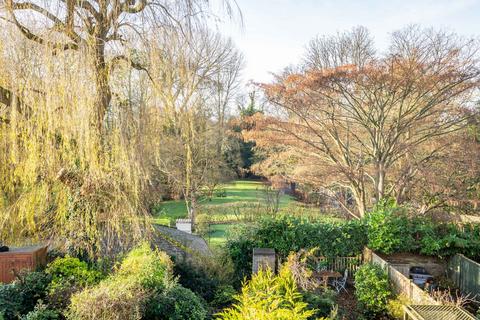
point(436, 312)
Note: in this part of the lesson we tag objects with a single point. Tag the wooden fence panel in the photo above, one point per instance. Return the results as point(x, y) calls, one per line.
point(400, 282)
point(465, 273)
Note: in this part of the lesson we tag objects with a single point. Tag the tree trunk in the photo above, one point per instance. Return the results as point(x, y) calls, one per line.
point(193, 209)
point(190, 183)
point(361, 206)
point(400, 194)
point(380, 181)
point(360, 200)
point(103, 94)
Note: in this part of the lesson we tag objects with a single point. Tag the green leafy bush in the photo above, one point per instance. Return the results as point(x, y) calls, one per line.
point(33, 286)
point(177, 303)
point(288, 234)
point(69, 275)
point(152, 268)
point(20, 297)
point(72, 271)
point(202, 224)
point(240, 251)
point(196, 279)
point(210, 278)
point(322, 302)
point(372, 289)
point(447, 239)
point(224, 296)
point(41, 312)
point(269, 297)
point(11, 301)
point(389, 229)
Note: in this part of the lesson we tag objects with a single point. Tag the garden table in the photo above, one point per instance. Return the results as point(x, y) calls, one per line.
point(326, 274)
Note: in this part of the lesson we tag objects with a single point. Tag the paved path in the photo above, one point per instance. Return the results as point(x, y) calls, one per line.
point(178, 243)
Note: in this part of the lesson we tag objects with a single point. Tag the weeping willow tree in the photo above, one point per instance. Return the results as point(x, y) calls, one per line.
point(74, 126)
point(60, 178)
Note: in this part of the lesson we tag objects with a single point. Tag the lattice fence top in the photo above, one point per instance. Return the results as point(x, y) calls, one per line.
point(436, 312)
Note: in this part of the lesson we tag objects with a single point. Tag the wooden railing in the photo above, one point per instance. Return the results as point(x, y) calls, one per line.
point(338, 263)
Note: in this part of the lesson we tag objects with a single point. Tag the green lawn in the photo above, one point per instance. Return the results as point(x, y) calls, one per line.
point(240, 191)
point(218, 234)
point(244, 200)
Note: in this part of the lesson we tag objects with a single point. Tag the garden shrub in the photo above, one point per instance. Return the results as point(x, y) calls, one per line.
point(42, 312)
point(372, 289)
point(196, 279)
point(69, 275)
point(471, 233)
point(20, 297)
point(209, 277)
point(177, 303)
point(429, 238)
point(33, 287)
point(339, 239)
point(202, 224)
point(287, 234)
point(322, 302)
point(114, 298)
point(11, 301)
point(143, 273)
point(389, 229)
point(269, 297)
point(224, 296)
point(395, 306)
point(152, 268)
point(218, 265)
point(71, 270)
point(447, 239)
point(241, 253)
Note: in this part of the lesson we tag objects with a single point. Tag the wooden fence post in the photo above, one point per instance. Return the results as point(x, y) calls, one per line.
point(263, 258)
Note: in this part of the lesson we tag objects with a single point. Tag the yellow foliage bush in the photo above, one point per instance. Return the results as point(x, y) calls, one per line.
point(395, 306)
point(269, 297)
point(123, 295)
point(116, 298)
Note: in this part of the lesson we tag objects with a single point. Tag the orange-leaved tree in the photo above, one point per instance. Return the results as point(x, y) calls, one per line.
point(353, 125)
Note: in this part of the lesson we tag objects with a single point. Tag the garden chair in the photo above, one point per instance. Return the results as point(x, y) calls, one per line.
point(341, 283)
point(322, 268)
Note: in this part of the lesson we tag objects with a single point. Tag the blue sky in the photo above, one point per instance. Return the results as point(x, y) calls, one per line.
point(275, 32)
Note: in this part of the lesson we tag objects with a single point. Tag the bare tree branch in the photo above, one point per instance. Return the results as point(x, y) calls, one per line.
point(133, 6)
point(129, 61)
point(12, 6)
